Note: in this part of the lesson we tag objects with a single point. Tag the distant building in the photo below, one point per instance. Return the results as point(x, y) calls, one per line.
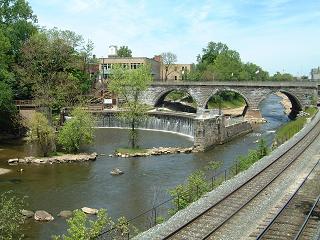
point(315, 73)
point(107, 63)
point(177, 72)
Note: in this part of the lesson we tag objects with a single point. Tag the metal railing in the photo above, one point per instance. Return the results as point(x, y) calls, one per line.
point(31, 103)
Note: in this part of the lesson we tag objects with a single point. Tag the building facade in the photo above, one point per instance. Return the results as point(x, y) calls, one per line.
point(175, 72)
point(315, 73)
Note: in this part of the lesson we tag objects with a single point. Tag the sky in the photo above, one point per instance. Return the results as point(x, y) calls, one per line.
point(278, 35)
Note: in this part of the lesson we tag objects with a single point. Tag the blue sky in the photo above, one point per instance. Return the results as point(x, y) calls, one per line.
point(278, 35)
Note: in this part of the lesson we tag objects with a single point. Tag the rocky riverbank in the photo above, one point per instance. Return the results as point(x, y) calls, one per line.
point(157, 151)
point(67, 158)
point(285, 102)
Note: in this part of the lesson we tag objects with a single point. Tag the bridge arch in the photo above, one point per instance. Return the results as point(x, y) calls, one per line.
point(296, 105)
point(220, 90)
point(160, 98)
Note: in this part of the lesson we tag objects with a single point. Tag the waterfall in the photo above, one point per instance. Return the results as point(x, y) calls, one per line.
point(162, 122)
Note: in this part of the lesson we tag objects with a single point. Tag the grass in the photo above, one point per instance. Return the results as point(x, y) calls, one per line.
point(130, 150)
point(55, 154)
point(291, 128)
point(227, 104)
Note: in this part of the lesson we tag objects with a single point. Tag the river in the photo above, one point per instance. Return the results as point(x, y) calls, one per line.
point(70, 186)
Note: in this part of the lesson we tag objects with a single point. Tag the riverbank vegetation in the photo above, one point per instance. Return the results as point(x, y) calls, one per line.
point(289, 129)
point(199, 182)
point(11, 220)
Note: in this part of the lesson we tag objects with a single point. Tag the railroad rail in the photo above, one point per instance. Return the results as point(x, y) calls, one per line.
point(296, 219)
point(206, 224)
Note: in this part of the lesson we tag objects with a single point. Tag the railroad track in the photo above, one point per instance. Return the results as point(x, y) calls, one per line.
point(300, 215)
point(206, 224)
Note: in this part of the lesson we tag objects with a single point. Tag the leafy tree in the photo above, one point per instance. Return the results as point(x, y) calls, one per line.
point(81, 228)
point(211, 52)
point(227, 66)
point(168, 60)
point(11, 219)
point(252, 72)
point(8, 111)
point(282, 77)
point(53, 64)
point(124, 51)
point(42, 132)
point(77, 131)
point(17, 24)
point(129, 84)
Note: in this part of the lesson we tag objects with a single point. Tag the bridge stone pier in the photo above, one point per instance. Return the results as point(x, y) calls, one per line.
point(300, 94)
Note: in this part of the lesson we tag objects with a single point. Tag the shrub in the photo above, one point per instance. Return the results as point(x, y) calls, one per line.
point(77, 131)
point(11, 219)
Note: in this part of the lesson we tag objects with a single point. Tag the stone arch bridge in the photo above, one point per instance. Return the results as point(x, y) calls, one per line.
point(301, 94)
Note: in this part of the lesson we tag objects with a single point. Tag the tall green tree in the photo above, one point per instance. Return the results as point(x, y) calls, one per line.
point(252, 72)
point(168, 60)
point(129, 85)
point(227, 66)
point(77, 131)
point(124, 51)
point(17, 24)
point(52, 63)
point(211, 52)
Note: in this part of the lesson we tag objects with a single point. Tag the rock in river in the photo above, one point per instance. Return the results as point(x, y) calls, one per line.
point(116, 171)
point(42, 215)
point(65, 214)
point(89, 210)
point(27, 213)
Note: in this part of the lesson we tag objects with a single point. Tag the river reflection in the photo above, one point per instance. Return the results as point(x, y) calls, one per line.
point(70, 186)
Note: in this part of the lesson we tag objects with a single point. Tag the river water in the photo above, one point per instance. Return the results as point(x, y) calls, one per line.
point(66, 187)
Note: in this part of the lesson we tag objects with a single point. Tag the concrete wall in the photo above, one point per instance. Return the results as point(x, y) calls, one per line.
point(212, 131)
point(235, 130)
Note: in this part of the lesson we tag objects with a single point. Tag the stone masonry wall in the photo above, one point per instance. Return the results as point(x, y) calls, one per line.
point(235, 130)
point(212, 131)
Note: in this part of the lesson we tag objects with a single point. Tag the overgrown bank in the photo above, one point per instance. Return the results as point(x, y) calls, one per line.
point(289, 129)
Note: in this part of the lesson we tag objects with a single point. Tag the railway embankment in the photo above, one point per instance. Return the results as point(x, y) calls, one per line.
point(261, 206)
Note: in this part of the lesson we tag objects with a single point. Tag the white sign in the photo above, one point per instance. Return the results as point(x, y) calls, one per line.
point(107, 101)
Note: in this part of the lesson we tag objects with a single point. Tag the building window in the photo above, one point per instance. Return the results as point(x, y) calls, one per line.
point(175, 69)
point(175, 78)
point(135, 65)
point(182, 68)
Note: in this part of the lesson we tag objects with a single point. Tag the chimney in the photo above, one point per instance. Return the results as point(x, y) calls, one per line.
point(113, 51)
point(157, 58)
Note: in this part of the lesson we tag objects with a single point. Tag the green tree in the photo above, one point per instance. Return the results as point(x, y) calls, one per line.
point(11, 219)
point(77, 131)
point(210, 53)
point(282, 77)
point(124, 51)
point(41, 132)
point(252, 72)
point(129, 84)
point(53, 63)
point(81, 228)
point(8, 111)
point(168, 60)
point(17, 24)
point(227, 66)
